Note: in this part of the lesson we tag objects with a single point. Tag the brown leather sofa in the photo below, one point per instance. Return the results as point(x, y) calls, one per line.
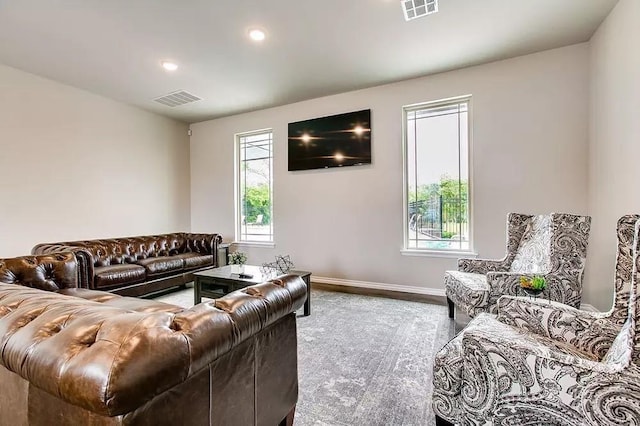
point(74, 356)
point(134, 266)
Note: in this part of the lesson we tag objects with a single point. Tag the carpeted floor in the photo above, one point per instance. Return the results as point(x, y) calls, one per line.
point(364, 360)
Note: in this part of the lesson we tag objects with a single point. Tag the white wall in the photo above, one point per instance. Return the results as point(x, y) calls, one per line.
point(529, 155)
point(76, 165)
point(614, 141)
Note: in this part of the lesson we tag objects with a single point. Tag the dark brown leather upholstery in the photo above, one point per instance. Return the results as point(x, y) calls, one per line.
point(87, 357)
point(167, 260)
point(162, 265)
point(194, 260)
point(50, 272)
point(118, 275)
point(129, 303)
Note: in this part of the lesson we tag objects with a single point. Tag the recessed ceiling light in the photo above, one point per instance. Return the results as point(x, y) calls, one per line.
point(257, 34)
point(169, 66)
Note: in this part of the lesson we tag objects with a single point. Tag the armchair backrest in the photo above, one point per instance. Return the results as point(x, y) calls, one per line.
point(534, 251)
point(624, 267)
point(626, 346)
point(554, 243)
point(517, 224)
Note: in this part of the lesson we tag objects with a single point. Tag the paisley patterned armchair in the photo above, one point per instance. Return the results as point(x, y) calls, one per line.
point(546, 362)
point(554, 246)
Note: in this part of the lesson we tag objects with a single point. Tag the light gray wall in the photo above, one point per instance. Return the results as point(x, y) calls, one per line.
point(74, 165)
point(614, 141)
point(529, 155)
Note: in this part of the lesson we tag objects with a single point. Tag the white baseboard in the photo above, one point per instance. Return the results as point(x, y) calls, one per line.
point(400, 288)
point(378, 286)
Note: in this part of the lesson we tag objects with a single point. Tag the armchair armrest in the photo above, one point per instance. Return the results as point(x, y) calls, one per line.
point(559, 288)
point(591, 332)
point(515, 345)
point(506, 371)
point(481, 266)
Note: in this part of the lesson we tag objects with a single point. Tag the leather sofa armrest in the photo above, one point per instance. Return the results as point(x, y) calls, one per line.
point(83, 257)
point(50, 272)
point(204, 244)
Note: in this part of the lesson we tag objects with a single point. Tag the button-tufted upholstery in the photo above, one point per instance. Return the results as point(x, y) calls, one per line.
point(50, 272)
point(138, 265)
point(90, 357)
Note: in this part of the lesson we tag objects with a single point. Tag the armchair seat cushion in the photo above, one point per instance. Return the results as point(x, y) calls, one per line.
point(467, 290)
point(195, 260)
point(161, 265)
point(113, 275)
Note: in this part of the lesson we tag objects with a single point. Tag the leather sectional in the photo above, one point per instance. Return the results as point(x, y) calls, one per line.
point(134, 266)
point(78, 356)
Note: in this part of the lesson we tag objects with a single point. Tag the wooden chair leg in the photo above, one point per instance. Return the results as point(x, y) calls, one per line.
point(452, 307)
point(288, 421)
point(442, 422)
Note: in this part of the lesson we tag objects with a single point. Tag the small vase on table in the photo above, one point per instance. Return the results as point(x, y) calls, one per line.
point(237, 259)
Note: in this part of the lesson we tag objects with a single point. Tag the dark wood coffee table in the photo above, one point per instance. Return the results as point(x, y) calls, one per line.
point(216, 282)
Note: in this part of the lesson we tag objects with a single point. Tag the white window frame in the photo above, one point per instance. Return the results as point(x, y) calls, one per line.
point(405, 181)
point(238, 190)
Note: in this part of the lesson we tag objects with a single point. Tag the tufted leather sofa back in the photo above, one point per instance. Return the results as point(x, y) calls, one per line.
point(111, 360)
point(48, 272)
point(116, 251)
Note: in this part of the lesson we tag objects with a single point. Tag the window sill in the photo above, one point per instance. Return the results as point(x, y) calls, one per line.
point(438, 253)
point(254, 244)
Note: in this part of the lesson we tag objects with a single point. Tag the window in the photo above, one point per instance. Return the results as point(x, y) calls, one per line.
point(436, 176)
point(254, 187)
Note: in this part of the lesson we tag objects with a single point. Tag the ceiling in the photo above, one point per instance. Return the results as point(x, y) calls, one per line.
point(313, 48)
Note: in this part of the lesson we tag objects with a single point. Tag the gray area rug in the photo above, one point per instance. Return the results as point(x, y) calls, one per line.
point(363, 360)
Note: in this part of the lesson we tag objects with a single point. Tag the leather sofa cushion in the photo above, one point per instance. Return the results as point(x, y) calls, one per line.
point(143, 305)
point(108, 276)
point(195, 260)
point(86, 294)
point(161, 265)
point(128, 303)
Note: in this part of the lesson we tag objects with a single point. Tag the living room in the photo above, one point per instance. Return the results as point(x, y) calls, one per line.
point(554, 129)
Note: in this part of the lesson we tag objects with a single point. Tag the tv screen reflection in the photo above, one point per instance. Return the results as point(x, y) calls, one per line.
point(334, 141)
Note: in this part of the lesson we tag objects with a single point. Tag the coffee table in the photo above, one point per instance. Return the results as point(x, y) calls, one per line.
point(216, 282)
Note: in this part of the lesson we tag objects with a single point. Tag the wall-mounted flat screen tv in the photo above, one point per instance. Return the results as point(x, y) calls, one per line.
point(334, 141)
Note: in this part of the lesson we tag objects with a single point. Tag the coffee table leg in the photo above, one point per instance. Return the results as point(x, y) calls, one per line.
point(307, 303)
point(197, 298)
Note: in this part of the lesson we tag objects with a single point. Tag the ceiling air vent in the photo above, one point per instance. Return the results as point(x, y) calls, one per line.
point(416, 8)
point(178, 98)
